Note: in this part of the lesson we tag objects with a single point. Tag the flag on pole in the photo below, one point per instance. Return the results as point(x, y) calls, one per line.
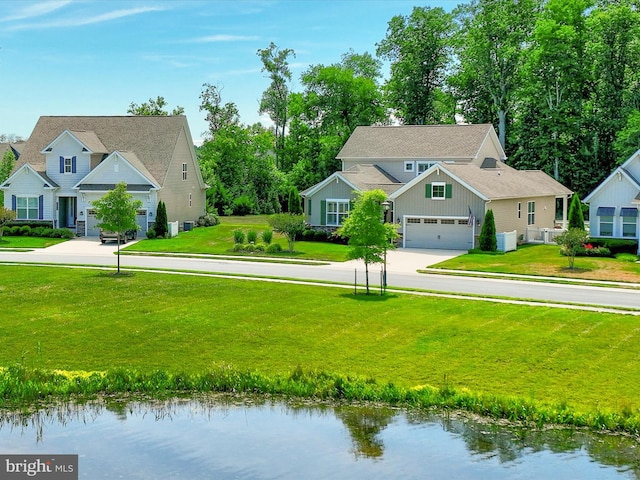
point(471, 220)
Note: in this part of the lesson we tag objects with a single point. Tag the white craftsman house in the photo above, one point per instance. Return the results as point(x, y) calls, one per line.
point(440, 181)
point(69, 162)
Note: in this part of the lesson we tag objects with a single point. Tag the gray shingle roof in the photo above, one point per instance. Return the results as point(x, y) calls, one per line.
point(151, 138)
point(416, 141)
point(371, 177)
point(506, 182)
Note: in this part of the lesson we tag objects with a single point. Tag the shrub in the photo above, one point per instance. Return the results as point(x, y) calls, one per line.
point(252, 236)
point(25, 230)
point(208, 220)
point(249, 247)
point(267, 236)
point(238, 236)
point(616, 245)
point(274, 248)
point(487, 240)
point(260, 247)
point(238, 247)
point(161, 225)
point(151, 234)
point(242, 205)
point(627, 257)
point(15, 230)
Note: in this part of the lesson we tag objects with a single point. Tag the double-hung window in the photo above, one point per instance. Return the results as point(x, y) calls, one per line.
point(605, 220)
point(438, 190)
point(424, 166)
point(184, 171)
point(531, 213)
point(27, 208)
point(67, 165)
point(629, 221)
point(337, 211)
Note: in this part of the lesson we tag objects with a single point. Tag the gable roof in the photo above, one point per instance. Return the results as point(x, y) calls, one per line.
point(47, 182)
point(419, 141)
point(622, 169)
point(502, 182)
point(361, 178)
point(89, 181)
point(152, 138)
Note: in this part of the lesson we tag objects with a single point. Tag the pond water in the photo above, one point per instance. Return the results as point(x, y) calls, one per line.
point(243, 438)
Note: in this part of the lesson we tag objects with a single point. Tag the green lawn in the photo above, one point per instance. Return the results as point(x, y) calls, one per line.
point(218, 240)
point(150, 321)
point(8, 242)
point(546, 260)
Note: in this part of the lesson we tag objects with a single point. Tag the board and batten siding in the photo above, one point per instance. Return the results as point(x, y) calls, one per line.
point(618, 191)
point(334, 190)
point(184, 199)
point(415, 202)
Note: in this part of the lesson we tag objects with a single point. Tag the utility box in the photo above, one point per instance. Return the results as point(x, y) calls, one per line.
point(188, 226)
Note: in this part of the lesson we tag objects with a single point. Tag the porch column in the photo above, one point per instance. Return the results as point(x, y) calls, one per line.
point(565, 201)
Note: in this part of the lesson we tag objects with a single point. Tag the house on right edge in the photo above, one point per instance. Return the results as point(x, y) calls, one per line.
point(613, 205)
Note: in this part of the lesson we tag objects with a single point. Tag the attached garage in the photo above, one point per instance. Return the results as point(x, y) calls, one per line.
point(450, 233)
point(94, 231)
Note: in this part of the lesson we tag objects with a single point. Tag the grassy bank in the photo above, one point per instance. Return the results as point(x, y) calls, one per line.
point(84, 320)
point(20, 387)
point(546, 260)
point(10, 242)
point(219, 240)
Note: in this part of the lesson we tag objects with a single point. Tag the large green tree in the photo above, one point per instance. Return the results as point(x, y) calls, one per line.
point(275, 62)
point(369, 236)
point(153, 107)
point(418, 47)
point(116, 212)
point(490, 50)
point(219, 114)
point(336, 99)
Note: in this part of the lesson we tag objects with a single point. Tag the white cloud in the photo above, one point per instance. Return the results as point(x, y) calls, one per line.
point(80, 20)
point(224, 38)
point(36, 10)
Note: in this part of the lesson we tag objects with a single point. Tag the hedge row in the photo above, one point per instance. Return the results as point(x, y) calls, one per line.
point(27, 231)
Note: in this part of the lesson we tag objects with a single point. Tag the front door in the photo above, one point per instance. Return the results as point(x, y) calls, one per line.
point(67, 212)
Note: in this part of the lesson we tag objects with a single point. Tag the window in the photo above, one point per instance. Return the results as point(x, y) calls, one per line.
point(413, 220)
point(424, 166)
point(67, 165)
point(605, 218)
point(447, 221)
point(531, 213)
point(337, 211)
point(27, 208)
point(190, 200)
point(629, 221)
point(438, 191)
point(184, 171)
point(519, 210)
point(431, 221)
point(408, 166)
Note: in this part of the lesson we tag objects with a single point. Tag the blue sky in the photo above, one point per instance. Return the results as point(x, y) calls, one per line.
point(86, 57)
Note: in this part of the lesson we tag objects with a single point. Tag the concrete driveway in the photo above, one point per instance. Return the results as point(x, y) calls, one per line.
point(401, 260)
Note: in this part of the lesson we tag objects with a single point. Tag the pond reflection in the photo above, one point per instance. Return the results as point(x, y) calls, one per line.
point(245, 437)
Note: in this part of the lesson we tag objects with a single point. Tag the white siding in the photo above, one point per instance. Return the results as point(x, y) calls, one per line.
point(617, 191)
point(67, 147)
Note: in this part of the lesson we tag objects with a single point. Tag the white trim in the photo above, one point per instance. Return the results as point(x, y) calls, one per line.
point(337, 213)
point(49, 147)
point(436, 217)
point(409, 166)
point(115, 156)
point(444, 191)
point(319, 186)
point(620, 170)
point(422, 177)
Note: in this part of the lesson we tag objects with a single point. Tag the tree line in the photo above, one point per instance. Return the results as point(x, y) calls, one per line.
point(559, 80)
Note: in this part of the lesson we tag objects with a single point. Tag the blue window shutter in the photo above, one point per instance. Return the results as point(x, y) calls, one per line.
point(40, 207)
point(13, 203)
point(73, 164)
point(61, 164)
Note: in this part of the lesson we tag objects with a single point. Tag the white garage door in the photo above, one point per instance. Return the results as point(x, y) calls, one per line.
point(443, 233)
point(94, 231)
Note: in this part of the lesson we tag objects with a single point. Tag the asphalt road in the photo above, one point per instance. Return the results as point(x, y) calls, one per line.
point(399, 276)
